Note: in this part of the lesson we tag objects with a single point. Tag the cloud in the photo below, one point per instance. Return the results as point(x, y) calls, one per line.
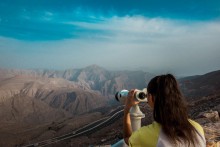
point(159, 45)
point(160, 36)
point(147, 29)
point(46, 20)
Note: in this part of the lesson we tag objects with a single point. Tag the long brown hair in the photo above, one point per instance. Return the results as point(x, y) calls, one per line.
point(170, 109)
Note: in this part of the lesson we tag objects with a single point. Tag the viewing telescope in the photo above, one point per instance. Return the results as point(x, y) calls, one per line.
point(140, 95)
point(135, 113)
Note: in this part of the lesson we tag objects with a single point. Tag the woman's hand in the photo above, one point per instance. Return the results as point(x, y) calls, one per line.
point(131, 101)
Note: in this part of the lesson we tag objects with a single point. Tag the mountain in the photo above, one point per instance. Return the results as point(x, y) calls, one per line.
point(74, 91)
point(94, 78)
point(36, 104)
point(54, 93)
point(201, 85)
point(107, 82)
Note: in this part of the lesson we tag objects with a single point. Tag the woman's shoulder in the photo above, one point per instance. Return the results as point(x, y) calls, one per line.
point(154, 126)
point(146, 135)
point(197, 126)
point(151, 129)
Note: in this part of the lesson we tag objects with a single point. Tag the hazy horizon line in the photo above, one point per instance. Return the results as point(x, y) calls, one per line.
point(144, 69)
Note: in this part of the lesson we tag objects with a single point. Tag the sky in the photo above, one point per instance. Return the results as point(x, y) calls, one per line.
point(158, 36)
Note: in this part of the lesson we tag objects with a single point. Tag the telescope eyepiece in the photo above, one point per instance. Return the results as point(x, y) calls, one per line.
point(141, 95)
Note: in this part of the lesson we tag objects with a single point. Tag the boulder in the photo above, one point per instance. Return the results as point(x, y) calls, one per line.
point(212, 115)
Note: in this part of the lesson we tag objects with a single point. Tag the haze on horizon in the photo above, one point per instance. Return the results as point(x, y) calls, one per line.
point(157, 36)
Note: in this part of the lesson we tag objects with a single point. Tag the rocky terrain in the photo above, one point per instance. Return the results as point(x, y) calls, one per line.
point(55, 92)
point(205, 111)
point(91, 78)
point(204, 107)
point(207, 115)
point(195, 87)
point(71, 92)
point(36, 105)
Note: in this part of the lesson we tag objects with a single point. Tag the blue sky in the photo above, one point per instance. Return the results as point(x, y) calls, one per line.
point(158, 36)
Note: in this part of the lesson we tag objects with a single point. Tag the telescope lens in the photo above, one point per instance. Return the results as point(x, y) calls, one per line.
point(142, 95)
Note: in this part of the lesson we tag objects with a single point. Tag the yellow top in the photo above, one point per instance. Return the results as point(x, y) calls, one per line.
point(148, 136)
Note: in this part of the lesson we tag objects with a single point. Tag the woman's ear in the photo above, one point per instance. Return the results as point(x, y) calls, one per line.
point(151, 100)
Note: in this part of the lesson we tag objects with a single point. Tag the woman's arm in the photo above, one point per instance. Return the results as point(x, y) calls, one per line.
point(127, 130)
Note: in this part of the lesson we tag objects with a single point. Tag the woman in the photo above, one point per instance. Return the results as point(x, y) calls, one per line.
point(172, 127)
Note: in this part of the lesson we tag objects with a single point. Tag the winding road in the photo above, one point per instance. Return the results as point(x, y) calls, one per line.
point(85, 130)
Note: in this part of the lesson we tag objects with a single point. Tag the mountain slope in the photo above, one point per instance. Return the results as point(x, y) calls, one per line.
point(55, 92)
point(27, 110)
point(94, 78)
point(203, 85)
point(107, 82)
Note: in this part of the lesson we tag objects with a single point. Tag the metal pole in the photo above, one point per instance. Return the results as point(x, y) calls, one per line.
point(136, 116)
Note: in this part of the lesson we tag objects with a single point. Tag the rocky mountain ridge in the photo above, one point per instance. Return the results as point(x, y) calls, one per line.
point(195, 87)
point(93, 78)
